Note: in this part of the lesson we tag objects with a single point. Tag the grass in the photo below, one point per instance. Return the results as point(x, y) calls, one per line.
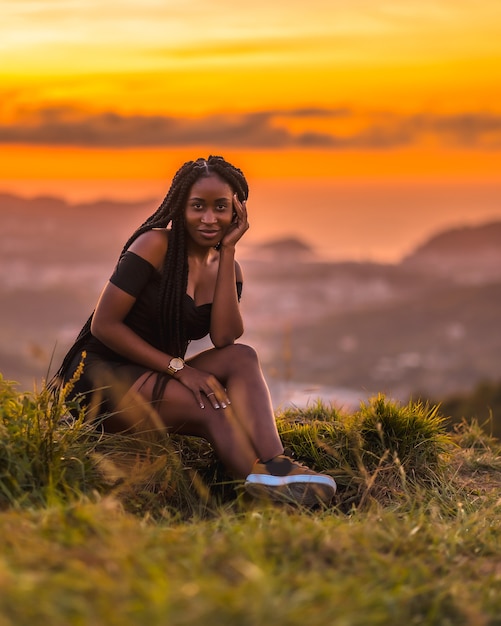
point(99, 530)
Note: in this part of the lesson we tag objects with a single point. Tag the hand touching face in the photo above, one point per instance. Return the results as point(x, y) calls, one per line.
point(239, 224)
point(214, 214)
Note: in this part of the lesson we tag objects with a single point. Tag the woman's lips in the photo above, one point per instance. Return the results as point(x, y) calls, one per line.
point(209, 234)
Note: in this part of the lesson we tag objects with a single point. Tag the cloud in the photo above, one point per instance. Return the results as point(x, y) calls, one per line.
point(340, 128)
point(468, 129)
point(63, 127)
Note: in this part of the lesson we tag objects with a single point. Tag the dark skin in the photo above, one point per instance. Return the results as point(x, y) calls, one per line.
point(220, 394)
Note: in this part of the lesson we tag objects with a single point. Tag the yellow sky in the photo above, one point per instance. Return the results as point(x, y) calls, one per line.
point(93, 89)
point(194, 56)
point(381, 117)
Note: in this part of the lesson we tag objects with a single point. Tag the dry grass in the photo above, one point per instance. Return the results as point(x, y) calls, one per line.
point(105, 530)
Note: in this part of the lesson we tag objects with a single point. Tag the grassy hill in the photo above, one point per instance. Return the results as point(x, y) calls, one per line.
point(112, 530)
point(482, 404)
point(436, 342)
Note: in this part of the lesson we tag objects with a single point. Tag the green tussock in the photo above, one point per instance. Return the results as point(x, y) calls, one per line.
point(384, 453)
point(41, 459)
point(99, 530)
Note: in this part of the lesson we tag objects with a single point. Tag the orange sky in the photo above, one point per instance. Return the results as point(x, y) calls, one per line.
point(110, 97)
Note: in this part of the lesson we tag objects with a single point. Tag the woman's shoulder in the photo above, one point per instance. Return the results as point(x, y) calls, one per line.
point(152, 246)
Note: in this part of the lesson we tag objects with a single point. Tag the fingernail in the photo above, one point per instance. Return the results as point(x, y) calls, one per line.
point(202, 406)
point(229, 401)
point(216, 406)
point(223, 405)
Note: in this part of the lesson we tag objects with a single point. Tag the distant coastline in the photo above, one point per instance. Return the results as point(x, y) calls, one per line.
point(379, 221)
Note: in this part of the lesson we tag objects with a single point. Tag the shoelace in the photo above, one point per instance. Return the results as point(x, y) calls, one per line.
point(291, 461)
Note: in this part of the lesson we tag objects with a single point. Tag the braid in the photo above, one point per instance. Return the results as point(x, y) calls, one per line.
point(233, 176)
point(172, 289)
point(174, 281)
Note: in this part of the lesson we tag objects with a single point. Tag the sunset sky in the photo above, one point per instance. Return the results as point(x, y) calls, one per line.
point(350, 108)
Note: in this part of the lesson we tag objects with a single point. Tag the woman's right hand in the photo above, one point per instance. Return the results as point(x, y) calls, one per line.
point(204, 386)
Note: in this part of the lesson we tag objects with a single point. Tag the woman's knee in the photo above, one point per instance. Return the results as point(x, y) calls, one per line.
point(241, 353)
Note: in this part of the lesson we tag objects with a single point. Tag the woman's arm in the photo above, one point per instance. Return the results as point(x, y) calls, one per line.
point(226, 320)
point(108, 326)
point(114, 304)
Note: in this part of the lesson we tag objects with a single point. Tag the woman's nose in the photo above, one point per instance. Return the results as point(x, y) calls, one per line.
point(209, 217)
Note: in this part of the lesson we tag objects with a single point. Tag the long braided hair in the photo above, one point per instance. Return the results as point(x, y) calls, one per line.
point(174, 279)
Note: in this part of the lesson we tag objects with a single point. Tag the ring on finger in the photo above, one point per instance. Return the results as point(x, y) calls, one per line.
point(210, 394)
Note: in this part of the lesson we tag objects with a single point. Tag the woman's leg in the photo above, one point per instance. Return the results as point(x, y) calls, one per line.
point(237, 368)
point(240, 433)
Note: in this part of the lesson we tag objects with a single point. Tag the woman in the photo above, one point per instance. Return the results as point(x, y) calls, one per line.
point(177, 280)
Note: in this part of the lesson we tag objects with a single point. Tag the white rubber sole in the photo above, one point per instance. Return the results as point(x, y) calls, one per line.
point(303, 490)
point(277, 481)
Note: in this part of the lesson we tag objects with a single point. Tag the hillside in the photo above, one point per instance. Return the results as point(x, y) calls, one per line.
point(435, 343)
point(469, 254)
point(100, 529)
point(428, 325)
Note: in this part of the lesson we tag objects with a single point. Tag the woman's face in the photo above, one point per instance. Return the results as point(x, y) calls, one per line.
point(209, 210)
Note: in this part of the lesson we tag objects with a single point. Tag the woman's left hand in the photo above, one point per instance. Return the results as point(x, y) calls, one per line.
point(239, 225)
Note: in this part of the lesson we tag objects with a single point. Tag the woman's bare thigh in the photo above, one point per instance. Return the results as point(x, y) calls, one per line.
point(177, 411)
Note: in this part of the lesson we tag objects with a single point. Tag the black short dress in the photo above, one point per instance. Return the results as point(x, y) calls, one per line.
point(107, 375)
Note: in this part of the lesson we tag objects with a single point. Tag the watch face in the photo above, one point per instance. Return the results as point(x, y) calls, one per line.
point(177, 364)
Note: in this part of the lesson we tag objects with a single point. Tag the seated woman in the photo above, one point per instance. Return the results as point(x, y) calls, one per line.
point(177, 280)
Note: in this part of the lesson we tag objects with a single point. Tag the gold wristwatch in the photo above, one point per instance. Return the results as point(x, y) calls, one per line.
point(176, 365)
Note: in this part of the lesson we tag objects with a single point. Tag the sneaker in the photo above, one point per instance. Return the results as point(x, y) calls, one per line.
point(285, 480)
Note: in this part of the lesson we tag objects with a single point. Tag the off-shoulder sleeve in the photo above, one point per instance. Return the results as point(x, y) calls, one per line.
point(132, 273)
